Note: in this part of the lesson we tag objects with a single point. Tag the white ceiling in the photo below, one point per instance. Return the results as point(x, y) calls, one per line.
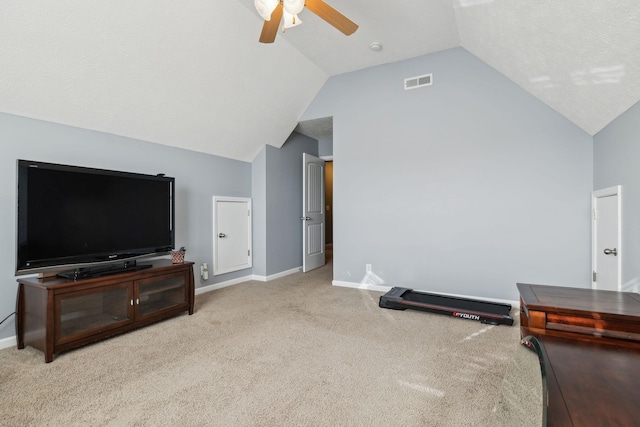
point(192, 74)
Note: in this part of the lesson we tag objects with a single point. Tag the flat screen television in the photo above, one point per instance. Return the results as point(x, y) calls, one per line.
point(92, 221)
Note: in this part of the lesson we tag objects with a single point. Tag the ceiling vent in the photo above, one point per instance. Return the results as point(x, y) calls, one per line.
point(418, 81)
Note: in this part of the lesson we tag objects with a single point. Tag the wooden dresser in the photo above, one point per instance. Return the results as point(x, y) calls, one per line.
point(586, 314)
point(588, 343)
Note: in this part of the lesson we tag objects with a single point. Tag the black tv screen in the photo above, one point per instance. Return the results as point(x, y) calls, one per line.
point(70, 216)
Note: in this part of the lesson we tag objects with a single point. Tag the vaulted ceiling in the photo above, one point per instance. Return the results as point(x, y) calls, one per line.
point(192, 74)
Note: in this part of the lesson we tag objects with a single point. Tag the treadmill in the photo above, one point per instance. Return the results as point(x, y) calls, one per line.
point(464, 308)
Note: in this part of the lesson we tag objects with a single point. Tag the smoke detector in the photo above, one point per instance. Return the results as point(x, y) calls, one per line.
point(375, 46)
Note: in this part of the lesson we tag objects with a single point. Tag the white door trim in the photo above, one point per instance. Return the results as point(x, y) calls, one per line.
point(606, 192)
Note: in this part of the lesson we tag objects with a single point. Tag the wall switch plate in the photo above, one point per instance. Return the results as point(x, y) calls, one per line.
point(368, 268)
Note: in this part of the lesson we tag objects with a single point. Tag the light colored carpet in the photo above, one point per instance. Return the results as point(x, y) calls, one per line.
point(291, 352)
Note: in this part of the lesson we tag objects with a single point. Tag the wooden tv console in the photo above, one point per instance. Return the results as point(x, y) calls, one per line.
point(588, 343)
point(55, 314)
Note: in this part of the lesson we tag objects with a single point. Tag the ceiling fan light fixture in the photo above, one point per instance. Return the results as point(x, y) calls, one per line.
point(289, 9)
point(290, 20)
point(265, 8)
point(293, 7)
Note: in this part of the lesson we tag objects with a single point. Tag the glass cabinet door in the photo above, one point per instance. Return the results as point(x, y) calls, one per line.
point(155, 294)
point(83, 313)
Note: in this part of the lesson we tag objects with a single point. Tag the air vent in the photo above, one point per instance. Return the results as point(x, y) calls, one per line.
point(418, 81)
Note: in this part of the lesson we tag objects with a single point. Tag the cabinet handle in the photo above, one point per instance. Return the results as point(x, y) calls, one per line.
point(131, 302)
point(138, 301)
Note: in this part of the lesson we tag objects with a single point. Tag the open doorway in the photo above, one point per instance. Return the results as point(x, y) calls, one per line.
point(321, 129)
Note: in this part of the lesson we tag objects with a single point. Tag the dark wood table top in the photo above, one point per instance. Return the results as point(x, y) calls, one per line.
point(559, 299)
point(591, 383)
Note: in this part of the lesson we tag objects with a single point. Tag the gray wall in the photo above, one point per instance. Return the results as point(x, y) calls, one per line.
point(198, 178)
point(466, 187)
point(616, 151)
point(325, 147)
point(277, 205)
point(259, 216)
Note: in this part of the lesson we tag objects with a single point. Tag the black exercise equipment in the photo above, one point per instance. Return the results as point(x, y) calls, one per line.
point(483, 311)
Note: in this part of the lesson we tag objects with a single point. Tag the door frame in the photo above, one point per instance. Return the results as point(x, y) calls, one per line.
point(606, 192)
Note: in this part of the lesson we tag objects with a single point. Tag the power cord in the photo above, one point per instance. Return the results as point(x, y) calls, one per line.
point(3, 320)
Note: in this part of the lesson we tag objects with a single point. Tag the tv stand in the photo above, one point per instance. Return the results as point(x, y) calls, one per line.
point(89, 272)
point(56, 314)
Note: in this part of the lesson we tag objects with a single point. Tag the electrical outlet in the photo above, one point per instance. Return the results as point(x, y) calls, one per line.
point(368, 268)
point(204, 271)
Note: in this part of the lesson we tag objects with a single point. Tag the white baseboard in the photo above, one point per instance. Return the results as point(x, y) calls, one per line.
point(364, 286)
point(8, 342)
point(380, 288)
point(277, 275)
point(224, 284)
point(248, 278)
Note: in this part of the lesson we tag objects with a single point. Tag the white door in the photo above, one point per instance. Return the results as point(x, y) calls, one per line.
point(231, 234)
point(606, 239)
point(313, 255)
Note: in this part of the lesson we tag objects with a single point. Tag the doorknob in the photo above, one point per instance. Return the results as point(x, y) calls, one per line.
point(613, 252)
point(221, 235)
point(306, 218)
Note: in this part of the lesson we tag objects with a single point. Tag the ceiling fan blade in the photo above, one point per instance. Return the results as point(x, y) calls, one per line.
point(332, 16)
point(270, 27)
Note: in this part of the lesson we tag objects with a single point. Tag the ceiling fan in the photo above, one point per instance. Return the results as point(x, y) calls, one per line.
point(272, 12)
